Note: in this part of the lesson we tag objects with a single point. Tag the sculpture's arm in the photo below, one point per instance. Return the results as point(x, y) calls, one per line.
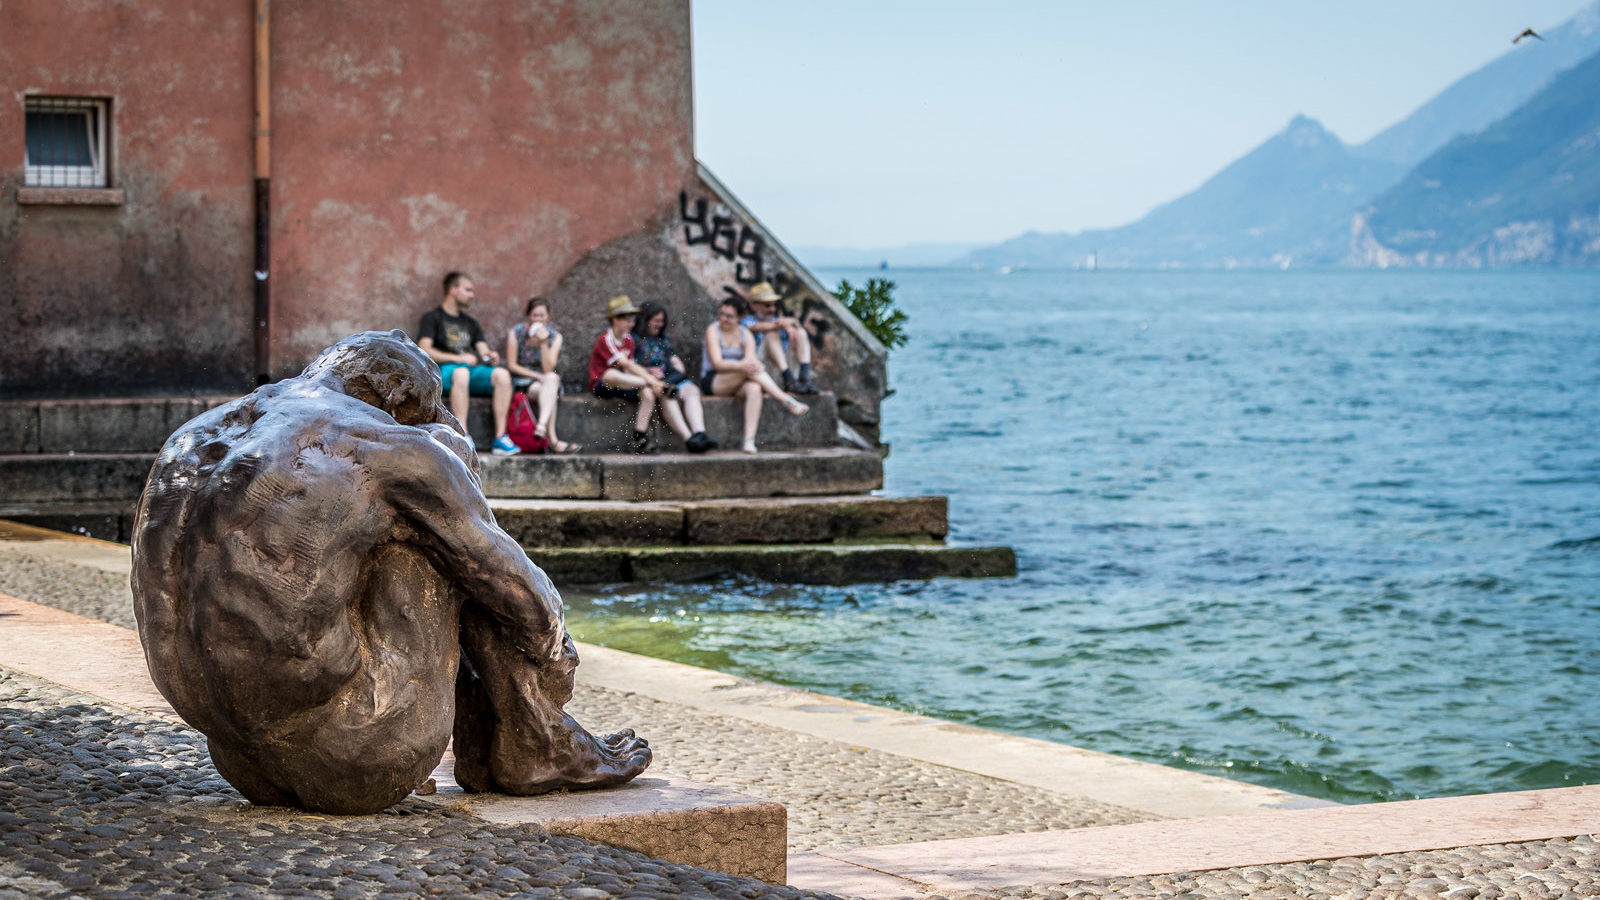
point(432, 489)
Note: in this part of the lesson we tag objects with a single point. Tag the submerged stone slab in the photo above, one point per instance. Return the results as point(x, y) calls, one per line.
point(791, 564)
point(662, 815)
point(815, 519)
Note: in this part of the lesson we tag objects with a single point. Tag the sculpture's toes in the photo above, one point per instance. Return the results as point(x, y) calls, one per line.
point(623, 742)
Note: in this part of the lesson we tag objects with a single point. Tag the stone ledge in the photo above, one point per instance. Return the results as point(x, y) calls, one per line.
point(747, 520)
point(783, 563)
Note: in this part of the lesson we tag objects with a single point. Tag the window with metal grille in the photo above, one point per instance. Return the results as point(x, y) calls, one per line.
point(66, 140)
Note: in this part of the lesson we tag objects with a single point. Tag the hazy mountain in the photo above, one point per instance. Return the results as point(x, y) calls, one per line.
point(1286, 202)
point(1493, 91)
point(1525, 190)
point(926, 254)
point(1293, 200)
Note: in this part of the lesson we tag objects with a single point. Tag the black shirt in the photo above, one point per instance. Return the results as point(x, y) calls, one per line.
point(451, 334)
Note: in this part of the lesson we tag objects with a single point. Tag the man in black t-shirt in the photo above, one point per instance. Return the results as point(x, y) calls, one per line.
point(467, 364)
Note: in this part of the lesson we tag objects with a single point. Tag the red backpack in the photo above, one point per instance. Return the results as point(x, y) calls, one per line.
point(520, 425)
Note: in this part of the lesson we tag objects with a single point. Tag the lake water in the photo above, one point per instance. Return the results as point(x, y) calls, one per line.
point(1337, 533)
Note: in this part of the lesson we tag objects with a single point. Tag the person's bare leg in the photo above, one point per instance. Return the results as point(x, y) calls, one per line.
point(647, 405)
point(795, 407)
point(801, 339)
point(751, 392)
point(772, 349)
point(500, 402)
point(693, 409)
point(549, 388)
point(674, 418)
point(460, 383)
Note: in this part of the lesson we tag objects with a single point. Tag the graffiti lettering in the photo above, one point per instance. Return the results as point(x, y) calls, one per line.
point(696, 220)
point(749, 269)
point(722, 227)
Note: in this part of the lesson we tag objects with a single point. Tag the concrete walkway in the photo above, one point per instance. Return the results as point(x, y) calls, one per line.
point(885, 804)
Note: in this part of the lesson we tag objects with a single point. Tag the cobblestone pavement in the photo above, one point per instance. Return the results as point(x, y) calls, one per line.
point(837, 795)
point(1534, 870)
point(96, 802)
point(100, 802)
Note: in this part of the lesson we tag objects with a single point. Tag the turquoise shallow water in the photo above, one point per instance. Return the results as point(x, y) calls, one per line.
point(1332, 532)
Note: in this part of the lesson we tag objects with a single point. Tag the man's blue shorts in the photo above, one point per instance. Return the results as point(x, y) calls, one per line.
point(479, 383)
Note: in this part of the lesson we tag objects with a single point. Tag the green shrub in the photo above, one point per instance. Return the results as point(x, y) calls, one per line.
point(874, 306)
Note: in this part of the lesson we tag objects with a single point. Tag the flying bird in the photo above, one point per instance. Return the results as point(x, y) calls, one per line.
point(1528, 32)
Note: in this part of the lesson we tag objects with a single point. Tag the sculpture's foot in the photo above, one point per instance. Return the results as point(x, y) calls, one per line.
point(578, 761)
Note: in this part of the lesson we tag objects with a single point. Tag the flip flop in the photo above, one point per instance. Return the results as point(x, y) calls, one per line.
point(565, 448)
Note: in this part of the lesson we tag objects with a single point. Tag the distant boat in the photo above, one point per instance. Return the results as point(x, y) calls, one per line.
point(884, 264)
point(1005, 270)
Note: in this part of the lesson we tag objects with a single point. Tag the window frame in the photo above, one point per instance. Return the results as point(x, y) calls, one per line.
point(96, 175)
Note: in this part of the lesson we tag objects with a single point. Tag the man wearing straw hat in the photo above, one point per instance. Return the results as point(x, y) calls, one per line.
point(764, 321)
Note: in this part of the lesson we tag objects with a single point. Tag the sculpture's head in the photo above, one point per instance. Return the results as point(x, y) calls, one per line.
point(385, 369)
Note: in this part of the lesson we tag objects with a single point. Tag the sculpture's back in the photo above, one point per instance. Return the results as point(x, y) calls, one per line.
point(299, 584)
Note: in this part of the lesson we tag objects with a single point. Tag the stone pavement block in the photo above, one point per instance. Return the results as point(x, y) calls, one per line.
point(815, 519)
point(1187, 845)
point(734, 474)
point(569, 477)
point(660, 814)
point(569, 523)
point(19, 427)
point(82, 477)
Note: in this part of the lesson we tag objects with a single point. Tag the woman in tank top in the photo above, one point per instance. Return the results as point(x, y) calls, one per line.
point(728, 367)
point(533, 347)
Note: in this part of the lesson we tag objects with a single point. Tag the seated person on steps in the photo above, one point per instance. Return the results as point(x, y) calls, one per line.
point(613, 374)
point(653, 350)
point(454, 341)
point(728, 367)
point(764, 321)
point(533, 348)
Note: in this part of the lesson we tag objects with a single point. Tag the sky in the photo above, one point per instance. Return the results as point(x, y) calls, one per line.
point(880, 123)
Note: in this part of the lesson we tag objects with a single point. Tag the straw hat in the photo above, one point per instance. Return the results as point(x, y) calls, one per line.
point(763, 293)
point(620, 305)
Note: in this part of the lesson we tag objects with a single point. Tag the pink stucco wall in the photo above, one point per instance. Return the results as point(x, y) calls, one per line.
point(506, 138)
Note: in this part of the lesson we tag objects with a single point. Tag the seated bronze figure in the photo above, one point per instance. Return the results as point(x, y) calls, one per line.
point(322, 591)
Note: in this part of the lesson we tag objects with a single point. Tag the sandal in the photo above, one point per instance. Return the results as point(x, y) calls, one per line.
point(564, 448)
point(795, 407)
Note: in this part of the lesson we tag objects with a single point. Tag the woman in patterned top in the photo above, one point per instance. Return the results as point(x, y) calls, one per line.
point(653, 350)
point(533, 347)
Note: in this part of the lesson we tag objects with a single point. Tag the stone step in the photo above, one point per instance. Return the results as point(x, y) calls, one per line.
point(143, 424)
point(606, 426)
point(757, 520)
point(47, 478)
point(784, 563)
point(122, 425)
point(682, 476)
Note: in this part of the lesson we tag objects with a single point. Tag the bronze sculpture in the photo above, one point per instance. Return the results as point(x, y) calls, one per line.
point(322, 591)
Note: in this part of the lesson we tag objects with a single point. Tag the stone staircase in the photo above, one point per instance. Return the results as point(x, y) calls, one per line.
point(799, 511)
